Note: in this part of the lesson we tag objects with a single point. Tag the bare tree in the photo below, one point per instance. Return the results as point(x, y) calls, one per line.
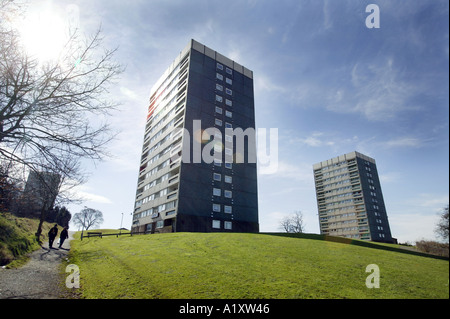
point(88, 218)
point(294, 223)
point(54, 114)
point(442, 226)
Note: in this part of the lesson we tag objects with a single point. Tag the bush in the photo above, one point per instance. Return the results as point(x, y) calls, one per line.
point(433, 247)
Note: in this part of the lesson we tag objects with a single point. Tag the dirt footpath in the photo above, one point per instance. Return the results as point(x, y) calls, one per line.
point(39, 278)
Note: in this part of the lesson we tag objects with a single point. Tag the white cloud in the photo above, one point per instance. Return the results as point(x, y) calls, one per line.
point(264, 84)
point(85, 195)
point(298, 172)
point(327, 22)
point(129, 94)
point(432, 202)
point(316, 139)
point(377, 92)
point(389, 177)
point(404, 142)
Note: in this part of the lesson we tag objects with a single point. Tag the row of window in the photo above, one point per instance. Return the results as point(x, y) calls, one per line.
point(220, 123)
point(154, 211)
point(218, 192)
point(228, 91)
point(218, 177)
point(217, 208)
point(339, 216)
point(353, 221)
point(218, 162)
point(152, 130)
point(217, 224)
point(154, 171)
point(227, 69)
point(344, 169)
point(219, 110)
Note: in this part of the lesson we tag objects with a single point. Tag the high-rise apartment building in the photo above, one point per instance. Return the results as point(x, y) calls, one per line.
point(197, 170)
point(349, 198)
point(39, 194)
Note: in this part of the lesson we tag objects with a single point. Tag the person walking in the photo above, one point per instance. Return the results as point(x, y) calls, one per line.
point(52, 235)
point(63, 236)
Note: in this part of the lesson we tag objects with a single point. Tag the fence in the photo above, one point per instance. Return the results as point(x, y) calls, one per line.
point(101, 235)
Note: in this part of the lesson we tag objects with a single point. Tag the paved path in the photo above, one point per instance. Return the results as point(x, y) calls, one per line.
point(39, 278)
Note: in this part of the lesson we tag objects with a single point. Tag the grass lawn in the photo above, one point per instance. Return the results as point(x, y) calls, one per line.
point(248, 266)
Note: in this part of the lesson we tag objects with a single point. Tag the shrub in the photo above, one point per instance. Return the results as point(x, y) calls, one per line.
point(433, 247)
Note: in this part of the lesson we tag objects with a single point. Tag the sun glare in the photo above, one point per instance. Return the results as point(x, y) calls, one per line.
point(43, 34)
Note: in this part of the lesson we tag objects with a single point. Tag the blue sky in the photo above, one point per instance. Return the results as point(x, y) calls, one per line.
point(326, 81)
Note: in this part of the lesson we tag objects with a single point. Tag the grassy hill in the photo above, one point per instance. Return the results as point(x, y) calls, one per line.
point(234, 266)
point(17, 238)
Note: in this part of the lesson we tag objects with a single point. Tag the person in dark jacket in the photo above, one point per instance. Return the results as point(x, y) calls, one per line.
point(63, 236)
point(52, 235)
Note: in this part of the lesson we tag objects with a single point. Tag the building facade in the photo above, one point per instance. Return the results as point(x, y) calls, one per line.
point(193, 176)
point(40, 192)
point(349, 198)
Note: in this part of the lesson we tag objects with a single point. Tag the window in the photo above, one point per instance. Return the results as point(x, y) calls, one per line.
point(228, 91)
point(228, 151)
point(218, 110)
point(228, 102)
point(172, 212)
point(228, 194)
point(219, 66)
point(219, 87)
point(228, 114)
point(216, 224)
point(227, 225)
point(218, 122)
point(228, 125)
point(219, 76)
point(171, 204)
point(228, 138)
point(228, 165)
point(217, 177)
point(217, 162)
point(227, 209)
point(216, 208)
point(229, 81)
point(219, 98)
point(160, 224)
point(217, 192)
point(229, 71)
point(228, 179)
